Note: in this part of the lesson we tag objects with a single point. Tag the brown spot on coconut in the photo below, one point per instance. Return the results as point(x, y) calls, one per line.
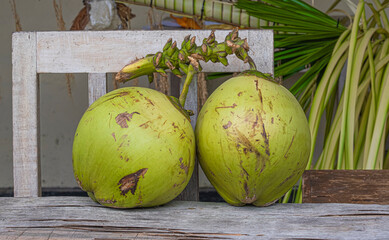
point(183, 166)
point(130, 181)
point(122, 118)
point(225, 126)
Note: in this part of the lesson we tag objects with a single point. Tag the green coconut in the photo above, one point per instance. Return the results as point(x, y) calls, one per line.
point(134, 147)
point(253, 140)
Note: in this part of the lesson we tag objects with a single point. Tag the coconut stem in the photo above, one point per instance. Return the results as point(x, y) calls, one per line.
point(185, 88)
point(186, 60)
point(140, 67)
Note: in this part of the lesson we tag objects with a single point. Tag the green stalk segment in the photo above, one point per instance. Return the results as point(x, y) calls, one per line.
point(140, 67)
point(185, 88)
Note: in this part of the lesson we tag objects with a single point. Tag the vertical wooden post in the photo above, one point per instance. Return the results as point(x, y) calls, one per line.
point(97, 86)
point(191, 192)
point(25, 114)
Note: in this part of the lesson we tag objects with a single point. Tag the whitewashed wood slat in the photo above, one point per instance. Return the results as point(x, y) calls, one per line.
point(109, 51)
point(85, 219)
point(97, 86)
point(25, 114)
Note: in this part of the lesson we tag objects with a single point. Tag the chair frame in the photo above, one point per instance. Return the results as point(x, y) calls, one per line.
point(95, 53)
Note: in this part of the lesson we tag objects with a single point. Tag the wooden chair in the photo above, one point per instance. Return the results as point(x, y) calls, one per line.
point(96, 53)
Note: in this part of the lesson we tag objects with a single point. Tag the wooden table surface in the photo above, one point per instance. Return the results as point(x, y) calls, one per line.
point(81, 218)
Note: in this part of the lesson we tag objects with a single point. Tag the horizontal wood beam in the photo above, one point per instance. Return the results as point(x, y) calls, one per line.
point(109, 51)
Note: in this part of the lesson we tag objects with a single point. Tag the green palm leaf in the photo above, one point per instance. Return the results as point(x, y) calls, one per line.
point(303, 36)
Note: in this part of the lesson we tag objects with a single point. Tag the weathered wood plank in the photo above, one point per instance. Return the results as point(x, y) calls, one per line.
point(109, 51)
point(346, 186)
point(97, 86)
point(25, 114)
point(191, 192)
point(85, 219)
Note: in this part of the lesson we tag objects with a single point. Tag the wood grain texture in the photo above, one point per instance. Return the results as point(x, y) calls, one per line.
point(97, 86)
point(346, 186)
point(81, 218)
point(191, 192)
point(109, 51)
point(25, 116)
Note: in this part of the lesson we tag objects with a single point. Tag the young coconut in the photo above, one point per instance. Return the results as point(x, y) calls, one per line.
point(135, 147)
point(252, 137)
point(253, 140)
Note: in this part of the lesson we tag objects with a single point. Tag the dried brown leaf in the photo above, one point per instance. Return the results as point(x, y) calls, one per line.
point(18, 26)
point(125, 15)
point(81, 20)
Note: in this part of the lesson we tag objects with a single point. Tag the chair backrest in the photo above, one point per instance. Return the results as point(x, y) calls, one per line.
point(95, 53)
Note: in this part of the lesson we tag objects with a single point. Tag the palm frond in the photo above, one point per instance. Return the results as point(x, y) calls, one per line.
point(303, 36)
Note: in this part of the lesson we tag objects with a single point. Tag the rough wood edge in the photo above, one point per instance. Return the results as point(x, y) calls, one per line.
point(25, 113)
